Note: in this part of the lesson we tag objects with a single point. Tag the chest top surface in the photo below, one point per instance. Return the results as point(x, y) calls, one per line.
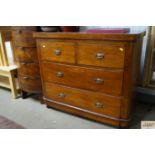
point(89, 36)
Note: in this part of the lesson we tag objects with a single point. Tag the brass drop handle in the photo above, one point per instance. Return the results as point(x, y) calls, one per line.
point(57, 52)
point(99, 55)
point(19, 31)
point(61, 95)
point(25, 78)
point(21, 48)
point(23, 63)
point(99, 80)
point(59, 74)
point(99, 105)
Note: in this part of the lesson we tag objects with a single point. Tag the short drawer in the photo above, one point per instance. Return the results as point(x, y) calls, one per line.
point(103, 55)
point(101, 80)
point(28, 68)
point(26, 54)
point(30, 84)
point(91, 101)
point(23, 38)
point(57, 51)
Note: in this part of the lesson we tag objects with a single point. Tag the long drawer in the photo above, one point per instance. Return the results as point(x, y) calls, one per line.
point(91, 101)
point(101, 80)
point(57, 51)
point(26, 54)
point(103, 55)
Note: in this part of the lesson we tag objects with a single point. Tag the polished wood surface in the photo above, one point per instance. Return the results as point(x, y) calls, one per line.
point(28, 68)
point(26, 56)
point(90, 36)
point(82, 112)
point(30, 84)
point(92, 101)
point(23, 38)
point(101, 80)
point(93, 80)
point(104, 55)
point(58, 51)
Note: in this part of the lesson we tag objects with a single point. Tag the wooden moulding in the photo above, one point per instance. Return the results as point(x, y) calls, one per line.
point(85, 113)
point(89, 36)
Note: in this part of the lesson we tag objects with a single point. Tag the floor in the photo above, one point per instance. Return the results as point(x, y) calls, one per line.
point(33, 115)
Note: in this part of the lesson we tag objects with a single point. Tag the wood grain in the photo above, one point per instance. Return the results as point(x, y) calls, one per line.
point(89, 36)
point(29, 69)
point(67, 51)
point(30, 84)
point(82, 77)
point(25, 51)
point(26, 54)
point(84, 99)
point(112, 55)
point(117, 73)
point(24, 39)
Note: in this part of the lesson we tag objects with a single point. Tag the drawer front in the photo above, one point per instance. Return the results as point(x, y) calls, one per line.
point(26, 54)
point(24, 39)
point(101, 55)
point(101, 80)
point(91, 101)
point(57, 52)
point(30, 84)
point(30, 69)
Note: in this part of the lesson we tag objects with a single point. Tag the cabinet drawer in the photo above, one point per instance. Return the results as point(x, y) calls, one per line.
point(101, 80)
point(91, 101)
point(26, 54)
point(103, 55)
point(57, 51)
point(23, 38)
point(30, 84)
point(30, 69)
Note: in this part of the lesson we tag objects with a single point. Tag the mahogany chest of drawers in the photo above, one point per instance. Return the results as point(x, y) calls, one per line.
point(90, 75)
point(26, 56)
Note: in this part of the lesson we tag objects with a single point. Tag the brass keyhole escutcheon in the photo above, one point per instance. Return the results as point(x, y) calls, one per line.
point(121, 49)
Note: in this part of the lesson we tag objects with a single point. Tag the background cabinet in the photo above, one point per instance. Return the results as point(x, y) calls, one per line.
point(26, 57)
